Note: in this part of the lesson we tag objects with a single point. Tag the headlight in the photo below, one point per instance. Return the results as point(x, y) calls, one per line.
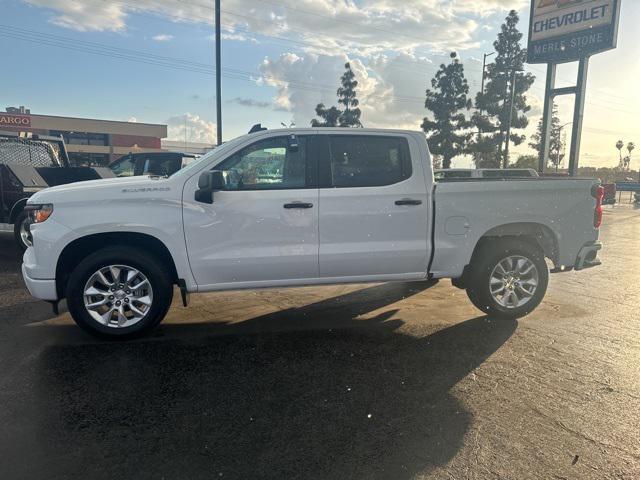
point(39, 213)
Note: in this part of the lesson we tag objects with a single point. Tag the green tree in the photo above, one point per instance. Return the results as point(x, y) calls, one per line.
point(494, 104)
point(333, 116)
point(556, 144)
point(525, 161)
point(436, 162)
point(347, 97)
point(330, 116)
point(448, 131)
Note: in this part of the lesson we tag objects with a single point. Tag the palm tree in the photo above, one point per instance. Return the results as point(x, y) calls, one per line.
point(619, 145)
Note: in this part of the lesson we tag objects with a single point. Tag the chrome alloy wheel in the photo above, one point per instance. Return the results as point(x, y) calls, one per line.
point(118, 296)
point(513, 281)
point(25, 232)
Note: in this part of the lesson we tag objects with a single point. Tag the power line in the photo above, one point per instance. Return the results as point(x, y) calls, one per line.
point(305, 33)
point(174, 63)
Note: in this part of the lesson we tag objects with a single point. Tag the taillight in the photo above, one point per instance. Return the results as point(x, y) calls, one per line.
point(598, 193)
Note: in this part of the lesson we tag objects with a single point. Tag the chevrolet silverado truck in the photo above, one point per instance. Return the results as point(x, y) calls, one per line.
point(299, 207)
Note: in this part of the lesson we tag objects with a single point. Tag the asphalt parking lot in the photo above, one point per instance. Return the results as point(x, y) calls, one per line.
point(394, 381)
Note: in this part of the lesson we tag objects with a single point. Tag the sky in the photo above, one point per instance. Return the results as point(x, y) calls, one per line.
point(153, 61)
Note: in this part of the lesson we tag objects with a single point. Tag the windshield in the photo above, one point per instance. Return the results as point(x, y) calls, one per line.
point(195, 164)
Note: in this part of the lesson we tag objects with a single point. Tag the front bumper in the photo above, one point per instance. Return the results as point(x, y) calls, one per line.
point(588, 256)
point(42, 289)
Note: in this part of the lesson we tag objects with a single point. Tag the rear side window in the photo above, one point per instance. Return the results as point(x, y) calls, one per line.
point(368, 161)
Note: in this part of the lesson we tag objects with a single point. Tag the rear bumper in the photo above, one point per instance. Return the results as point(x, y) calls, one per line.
point(42, 289)
point(588, 256)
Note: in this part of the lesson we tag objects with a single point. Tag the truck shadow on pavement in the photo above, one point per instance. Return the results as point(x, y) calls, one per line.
point(365, 400)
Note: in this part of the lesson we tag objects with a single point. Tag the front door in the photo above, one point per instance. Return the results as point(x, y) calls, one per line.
point(374, 211)
point(264, 227)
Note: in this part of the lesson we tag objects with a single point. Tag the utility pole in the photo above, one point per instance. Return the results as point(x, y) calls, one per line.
point(513, 95)
point(218, 78)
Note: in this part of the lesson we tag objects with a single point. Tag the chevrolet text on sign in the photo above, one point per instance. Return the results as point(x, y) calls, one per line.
point(565, 30)
point(10, 120)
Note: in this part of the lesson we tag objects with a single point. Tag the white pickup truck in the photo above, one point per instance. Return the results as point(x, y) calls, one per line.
point(303, 207)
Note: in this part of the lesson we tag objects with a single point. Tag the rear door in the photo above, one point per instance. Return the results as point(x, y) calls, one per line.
point(373, 207)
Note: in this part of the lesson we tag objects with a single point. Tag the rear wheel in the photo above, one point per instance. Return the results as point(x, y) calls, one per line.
point(22, 231)
point(119, 292)
point(508, 278)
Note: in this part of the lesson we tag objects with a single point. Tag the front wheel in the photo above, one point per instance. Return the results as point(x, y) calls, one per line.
point(508, 278)
point(119, 292)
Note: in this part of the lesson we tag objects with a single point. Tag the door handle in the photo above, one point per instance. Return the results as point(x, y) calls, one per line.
point(408, 201)
point(298, 205)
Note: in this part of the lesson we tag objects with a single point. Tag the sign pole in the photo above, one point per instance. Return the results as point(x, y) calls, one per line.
point(578, 116)
point(547, 116)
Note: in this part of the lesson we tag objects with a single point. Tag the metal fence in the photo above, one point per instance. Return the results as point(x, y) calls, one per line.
point(22, 151)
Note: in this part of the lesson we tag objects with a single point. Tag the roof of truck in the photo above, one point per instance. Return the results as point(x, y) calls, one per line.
point(339, 129)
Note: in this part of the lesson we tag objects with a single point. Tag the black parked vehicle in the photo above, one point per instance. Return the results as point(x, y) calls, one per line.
point(151, 163)
point(28, 165)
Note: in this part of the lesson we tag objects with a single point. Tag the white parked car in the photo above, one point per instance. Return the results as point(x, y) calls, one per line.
point(303, 207)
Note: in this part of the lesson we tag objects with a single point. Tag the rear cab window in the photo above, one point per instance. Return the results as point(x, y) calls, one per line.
point(366, 161)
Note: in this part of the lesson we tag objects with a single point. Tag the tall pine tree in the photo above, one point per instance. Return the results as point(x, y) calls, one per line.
point(347, 96)
point(494, 104)
point(447, 100)
point(333, 116)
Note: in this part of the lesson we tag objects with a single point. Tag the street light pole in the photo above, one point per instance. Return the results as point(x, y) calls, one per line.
point(218, 78)
point(513, 96)
point(484, 74)
point(560, 144)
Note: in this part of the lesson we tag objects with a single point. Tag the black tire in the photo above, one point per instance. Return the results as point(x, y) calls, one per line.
point(147, 264)
point(17, 230)
point(487, 258)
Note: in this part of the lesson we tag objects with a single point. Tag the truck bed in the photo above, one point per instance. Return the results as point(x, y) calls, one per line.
point(467, 209)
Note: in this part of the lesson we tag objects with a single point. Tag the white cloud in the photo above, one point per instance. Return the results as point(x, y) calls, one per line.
point(89, 15)
point(132, 120)
point(163, 37)
point(197, 129)
point(390, 89)
point(250, 102)
point(324, 26)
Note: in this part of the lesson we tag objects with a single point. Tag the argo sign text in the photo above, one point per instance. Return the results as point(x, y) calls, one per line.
point(10, 120)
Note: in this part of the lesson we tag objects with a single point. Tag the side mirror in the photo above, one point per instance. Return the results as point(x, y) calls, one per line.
point(208, 183)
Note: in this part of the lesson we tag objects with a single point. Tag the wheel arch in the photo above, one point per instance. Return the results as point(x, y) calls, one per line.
point(537, 234)
point(78, 249)
point(16, 209)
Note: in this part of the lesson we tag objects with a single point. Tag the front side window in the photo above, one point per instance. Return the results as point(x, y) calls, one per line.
point(368, 161)
point(161, 165)
point(270, 164)
point(125, 167)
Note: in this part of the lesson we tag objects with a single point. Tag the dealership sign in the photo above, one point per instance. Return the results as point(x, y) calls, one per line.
point(567, 30)
point(11, 120)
